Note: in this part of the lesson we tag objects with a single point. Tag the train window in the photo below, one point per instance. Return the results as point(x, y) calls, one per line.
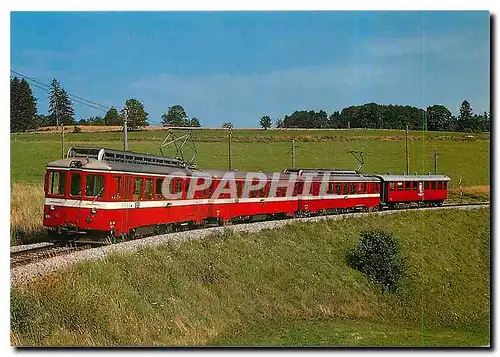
point(426, 185)
point(415, 185)
point(400, 186)
point(148, 189)
point(262, 192)
point(178, 186)
point(445, 185)
point(331, 187)
point(94, 186)
point(433, 185)
point(440, 185)
point(391, 186)
point(353, 188)
point(76, 185)
point(337, 189)
point(159, 183)
point(137, 188)
point(363, 187)
point(57, 182)
point(407, 186)
point(117, 181)
point(346, 189)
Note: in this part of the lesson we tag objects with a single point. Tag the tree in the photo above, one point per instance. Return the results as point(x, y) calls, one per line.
point(227, 125)
point(465, 118)
point(97, 120)
point(23, 111)
point(112, 117)
point(175, 116)
point(279, 123)
point(334, 121)
point(265, 122)
point(82, 122)
point(438, 117)
point(60, 106)
point(194, 122)
point(136, 115)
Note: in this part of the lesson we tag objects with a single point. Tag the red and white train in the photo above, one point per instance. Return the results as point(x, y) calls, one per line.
point(119, 194)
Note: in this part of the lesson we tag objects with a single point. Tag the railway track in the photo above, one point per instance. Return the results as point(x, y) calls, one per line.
point(27, 256)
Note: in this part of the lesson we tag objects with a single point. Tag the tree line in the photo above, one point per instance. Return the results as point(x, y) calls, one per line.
point(376, 116)
point(24, 115)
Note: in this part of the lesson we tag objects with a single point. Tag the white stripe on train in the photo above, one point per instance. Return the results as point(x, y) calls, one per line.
point(62, 202)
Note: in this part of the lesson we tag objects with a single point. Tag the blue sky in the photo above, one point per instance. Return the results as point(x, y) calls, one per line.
point(238, 66)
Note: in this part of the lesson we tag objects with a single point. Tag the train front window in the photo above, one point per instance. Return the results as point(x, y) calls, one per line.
point(57, 182)
point(94, 186)
point(76, 185)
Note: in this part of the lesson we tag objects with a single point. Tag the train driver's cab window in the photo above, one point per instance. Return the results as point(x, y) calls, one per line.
point(137, 189)
point(76, 185)
point(57, 182)
point(400, 186)
point(159, 182)
point(94, 186)
point(148, 189)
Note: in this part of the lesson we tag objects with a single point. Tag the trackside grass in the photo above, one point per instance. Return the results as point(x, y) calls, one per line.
point(290, 286)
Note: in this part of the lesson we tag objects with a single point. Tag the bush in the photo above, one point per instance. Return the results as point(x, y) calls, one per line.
point(77, 129)
point(377, 257)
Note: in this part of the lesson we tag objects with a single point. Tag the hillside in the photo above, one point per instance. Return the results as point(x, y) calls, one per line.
point(290, 286)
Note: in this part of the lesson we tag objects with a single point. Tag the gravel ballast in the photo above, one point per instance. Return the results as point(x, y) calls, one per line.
point(23, 275)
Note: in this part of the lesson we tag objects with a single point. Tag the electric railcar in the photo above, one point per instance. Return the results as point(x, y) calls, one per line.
point(119, 194)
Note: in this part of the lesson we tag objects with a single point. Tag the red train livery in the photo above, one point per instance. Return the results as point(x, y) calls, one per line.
point(117, 194)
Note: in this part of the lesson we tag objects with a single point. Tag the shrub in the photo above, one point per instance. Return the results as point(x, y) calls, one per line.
point(377, 257)
point(77, 129)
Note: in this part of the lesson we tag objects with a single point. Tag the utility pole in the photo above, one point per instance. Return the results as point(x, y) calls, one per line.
point(435, 161)
point(125, 141)
point(407, 154)
point(229, 132)
point(62, 140)
point(293, 153)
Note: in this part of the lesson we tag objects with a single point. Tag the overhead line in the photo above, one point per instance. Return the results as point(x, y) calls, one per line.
point(69, 94)
point(77, 101)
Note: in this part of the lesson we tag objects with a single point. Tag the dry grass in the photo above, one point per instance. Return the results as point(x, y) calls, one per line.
point(26, 213)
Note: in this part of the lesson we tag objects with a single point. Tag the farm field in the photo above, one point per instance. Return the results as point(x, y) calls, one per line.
point(290, 287)
point(458, 157)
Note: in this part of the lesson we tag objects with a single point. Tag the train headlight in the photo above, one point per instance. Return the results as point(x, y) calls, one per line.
point(52, 207)
point(93, 210)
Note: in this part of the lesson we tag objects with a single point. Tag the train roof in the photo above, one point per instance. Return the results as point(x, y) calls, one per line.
point(115, 160)
point(399, 178)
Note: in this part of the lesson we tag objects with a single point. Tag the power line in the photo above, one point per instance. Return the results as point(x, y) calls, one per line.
point(74, 100)
point(78, 99)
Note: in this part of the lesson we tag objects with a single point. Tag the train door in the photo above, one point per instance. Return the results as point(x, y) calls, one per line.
point(127, 204)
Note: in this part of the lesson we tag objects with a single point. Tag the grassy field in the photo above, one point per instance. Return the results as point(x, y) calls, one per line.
point(278, 287)
point(271, 151)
